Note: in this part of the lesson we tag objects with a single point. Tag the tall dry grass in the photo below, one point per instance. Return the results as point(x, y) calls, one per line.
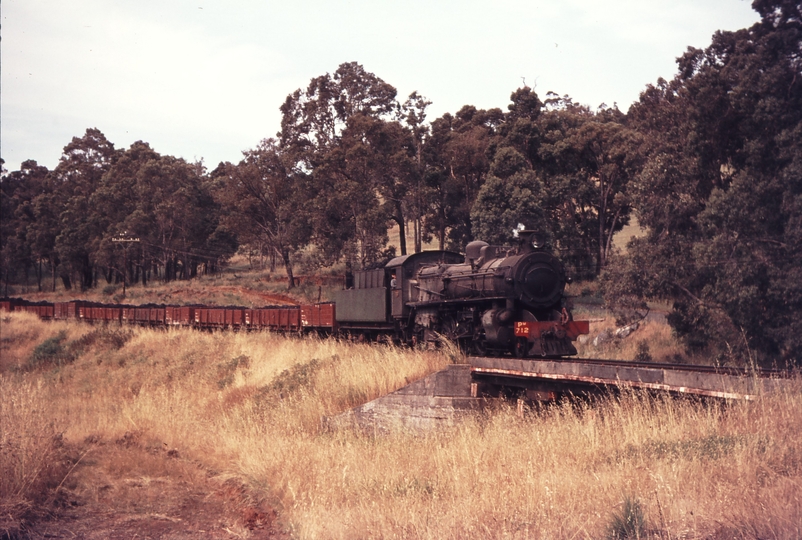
point(249, 406)
point(651, 341)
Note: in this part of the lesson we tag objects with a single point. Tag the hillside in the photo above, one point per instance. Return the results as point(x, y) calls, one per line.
point(112, 432)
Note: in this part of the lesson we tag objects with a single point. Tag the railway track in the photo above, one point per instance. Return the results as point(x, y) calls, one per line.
point(720, 370)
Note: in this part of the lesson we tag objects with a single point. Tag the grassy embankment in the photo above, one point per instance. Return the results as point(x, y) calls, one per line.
point(247, 407)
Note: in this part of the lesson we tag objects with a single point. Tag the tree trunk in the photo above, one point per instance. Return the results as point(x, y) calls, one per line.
point(402, 229)
point(285, 255)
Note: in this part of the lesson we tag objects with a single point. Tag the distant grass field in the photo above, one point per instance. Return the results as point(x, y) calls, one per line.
point(623, 236)
point(100, 424)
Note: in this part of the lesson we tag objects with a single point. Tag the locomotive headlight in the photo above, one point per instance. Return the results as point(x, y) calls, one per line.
point(537, 241)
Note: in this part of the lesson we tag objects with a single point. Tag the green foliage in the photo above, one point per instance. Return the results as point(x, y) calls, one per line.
point(643, 354)
point(712, 447)
point(720, 194)
point(264, 203)
point(51, 351)
point(227, 371)
point(56, 351)
point(360, 162)
point(456, 160)
point(628, 522)
point(290, 383)
point(106, 336)
point(110, 290)
point(504, 203)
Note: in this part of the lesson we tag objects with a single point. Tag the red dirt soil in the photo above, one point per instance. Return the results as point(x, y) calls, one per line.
point(125, 489)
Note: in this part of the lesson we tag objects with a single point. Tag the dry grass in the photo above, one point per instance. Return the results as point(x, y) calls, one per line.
point(651, 341)
point(248, 406)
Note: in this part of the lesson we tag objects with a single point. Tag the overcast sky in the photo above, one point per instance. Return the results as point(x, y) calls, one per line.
point(204, 79)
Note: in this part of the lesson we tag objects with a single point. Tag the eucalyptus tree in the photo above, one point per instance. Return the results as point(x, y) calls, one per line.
point(343, 132)
point(166, 202)
point(263, 200)
point(83, 163)
point(456, 165)
point(27, 228)
point(564, 169)
point(721, 191)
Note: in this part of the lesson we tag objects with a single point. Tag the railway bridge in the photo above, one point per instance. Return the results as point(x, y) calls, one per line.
point(444, 396)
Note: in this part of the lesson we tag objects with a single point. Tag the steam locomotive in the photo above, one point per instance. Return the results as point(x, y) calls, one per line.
point(492, 300)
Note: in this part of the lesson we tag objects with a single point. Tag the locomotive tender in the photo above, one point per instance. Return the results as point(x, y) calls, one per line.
point(492, 300)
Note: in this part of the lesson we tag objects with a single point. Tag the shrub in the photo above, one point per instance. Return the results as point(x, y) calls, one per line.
point(51, 351)
point(109, 290)
point(629, 522)
point(643, 354)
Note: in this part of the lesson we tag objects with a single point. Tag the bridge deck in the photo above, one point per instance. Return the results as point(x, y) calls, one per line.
point(581, 375)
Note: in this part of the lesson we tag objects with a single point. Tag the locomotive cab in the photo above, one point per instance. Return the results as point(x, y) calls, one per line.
point(406, 269)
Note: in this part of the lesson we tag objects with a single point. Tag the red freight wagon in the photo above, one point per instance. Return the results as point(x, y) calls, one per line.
point(141, 315)
point(259, 318)
point(318, 316)
point(8, 304)
point(210, 317)
point(112, 313)
point(102, 313)
point(217, 317)
point(43, 311)
point(293, 321)
point(187, 315)
point(179, 315)
point(129, 315)
point(67, 310)
point(234, 317)
point(200, 316)
point(285, 319)
point(171, 315)
point(93, 314)
point(156, 316)
point(272, 321)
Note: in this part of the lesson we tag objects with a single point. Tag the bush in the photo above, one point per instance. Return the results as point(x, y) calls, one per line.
point(51, 351)
point(643, 354)
point(109, 290)
point(629, 522)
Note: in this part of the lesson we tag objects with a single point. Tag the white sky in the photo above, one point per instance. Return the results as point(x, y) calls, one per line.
point(204, 79)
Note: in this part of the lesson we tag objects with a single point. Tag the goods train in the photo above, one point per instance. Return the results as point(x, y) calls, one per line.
point(492, 300)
